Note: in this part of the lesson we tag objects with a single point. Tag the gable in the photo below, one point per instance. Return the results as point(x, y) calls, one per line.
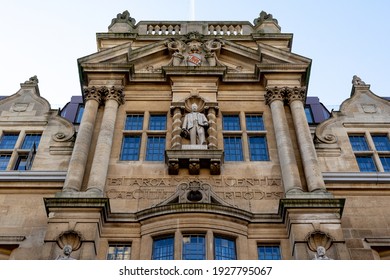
point(193, 54)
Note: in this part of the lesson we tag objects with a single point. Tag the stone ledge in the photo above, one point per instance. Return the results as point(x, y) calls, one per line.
point(194, 160)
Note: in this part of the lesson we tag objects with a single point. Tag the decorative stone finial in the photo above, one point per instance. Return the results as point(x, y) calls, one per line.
point(263, 16)
point(32, 80)
point(123, 22)
point(266, 23)
point(356, 81)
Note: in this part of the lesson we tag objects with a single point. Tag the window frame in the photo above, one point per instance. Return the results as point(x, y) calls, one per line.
point(370, 151)
point(116, 245)
point(265, 256)
point(171, 248)
point(221, 255)
point(251, 126)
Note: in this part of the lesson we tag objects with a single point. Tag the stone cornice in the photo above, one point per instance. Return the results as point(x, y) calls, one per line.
point(326, 205)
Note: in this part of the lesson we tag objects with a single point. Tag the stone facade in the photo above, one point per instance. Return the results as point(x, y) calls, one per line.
point(127, 175)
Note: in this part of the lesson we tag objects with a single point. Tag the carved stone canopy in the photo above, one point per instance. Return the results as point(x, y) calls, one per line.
point(318, 238)
point(71, 238)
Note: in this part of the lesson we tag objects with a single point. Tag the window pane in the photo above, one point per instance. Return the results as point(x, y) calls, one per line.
point(381, 142)
point(155, 148)
point(385, 163)
point(366, 164)
point(158, 122)
point(258, 148)
point(79, 114)
point(163, 248)
point(358, 143)
point(224, 249)
point(232, 148)
point(30, 139)
point(119, 252)
point(194, 247)
point(130, 147)
point(254, 122)
point(231, 122)
point(134, 122)
point(8, 140)
point(309, 115)
point(269, 252)
point(4, 159)
point(21, 163)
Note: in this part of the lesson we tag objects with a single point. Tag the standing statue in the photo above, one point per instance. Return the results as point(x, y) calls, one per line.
point(194, 125)
point(67, 252)
point(321, 254)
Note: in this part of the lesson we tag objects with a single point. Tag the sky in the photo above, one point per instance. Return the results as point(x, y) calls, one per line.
point(343, 38)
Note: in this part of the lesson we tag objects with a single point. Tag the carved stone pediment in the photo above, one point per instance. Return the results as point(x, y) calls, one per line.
point(194, 192)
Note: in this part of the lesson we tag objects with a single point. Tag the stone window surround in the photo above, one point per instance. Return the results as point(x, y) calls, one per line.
point(16, 152)
point(244, 133)
point(209, 236)
point(372, 151)
point(144, 133)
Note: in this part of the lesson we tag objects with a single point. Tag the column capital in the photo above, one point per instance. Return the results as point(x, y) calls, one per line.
point(295, 93)
point(114, 93)
point(272, 94)
point(93, 93)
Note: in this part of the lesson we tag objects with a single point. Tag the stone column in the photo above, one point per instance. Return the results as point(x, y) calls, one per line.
point(296, 98)
point(212, 129)
point(78, 161)
point(98, 174)
point(176, 112)
point(288, 164)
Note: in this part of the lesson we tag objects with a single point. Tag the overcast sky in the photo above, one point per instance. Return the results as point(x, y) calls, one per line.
point(343, 38)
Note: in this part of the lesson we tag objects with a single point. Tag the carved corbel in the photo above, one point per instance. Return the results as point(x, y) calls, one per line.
point(215, 167)
point(194, 166)
point(173, 166)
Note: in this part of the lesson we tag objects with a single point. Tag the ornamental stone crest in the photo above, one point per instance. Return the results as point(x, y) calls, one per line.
point(193, 50)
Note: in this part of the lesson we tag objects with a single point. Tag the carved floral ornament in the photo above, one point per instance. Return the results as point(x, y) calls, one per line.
point(193, 50)
point(285, 94)
point(101, 94)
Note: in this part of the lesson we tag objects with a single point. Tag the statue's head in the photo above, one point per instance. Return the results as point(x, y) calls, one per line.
point(321, 251)
point(67, 250)
point(194, 107)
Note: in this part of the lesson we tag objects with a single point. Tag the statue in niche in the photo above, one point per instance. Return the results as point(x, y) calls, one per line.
point(194, 125)
point(67, 251)
point(321, 254)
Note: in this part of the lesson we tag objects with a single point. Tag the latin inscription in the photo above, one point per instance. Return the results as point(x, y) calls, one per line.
point(228, 188)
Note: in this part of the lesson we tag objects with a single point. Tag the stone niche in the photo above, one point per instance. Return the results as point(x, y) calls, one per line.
point(194, 147)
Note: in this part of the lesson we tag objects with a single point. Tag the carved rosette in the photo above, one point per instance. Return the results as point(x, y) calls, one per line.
point(295, 94)
point(272, 94)
point(93, 93)
point(114, 93)
point(176, 111)
point(212, 129)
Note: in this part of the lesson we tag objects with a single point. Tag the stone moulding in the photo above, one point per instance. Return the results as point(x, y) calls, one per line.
point(334, 206)
point(194, 160)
